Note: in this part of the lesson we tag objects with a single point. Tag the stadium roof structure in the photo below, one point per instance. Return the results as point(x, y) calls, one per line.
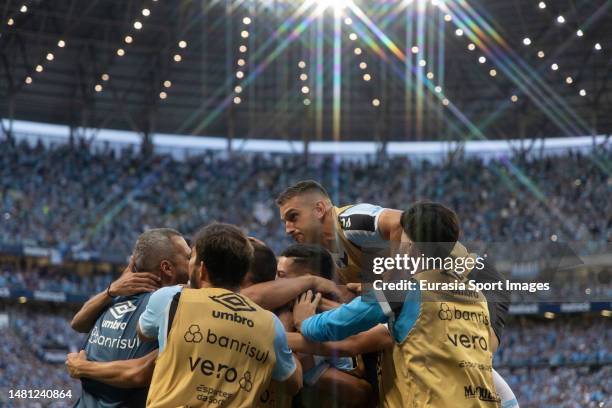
point(405, 70)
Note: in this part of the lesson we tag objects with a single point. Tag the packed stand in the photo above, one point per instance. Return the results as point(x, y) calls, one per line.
point(46, 333)
point(570, 341)
point(53, 280)
point(72, 199)
point(578, 387)
point(22, 369)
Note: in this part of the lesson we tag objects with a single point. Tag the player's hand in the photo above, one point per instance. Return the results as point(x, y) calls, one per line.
point(131, 283)
point(355, 288)
point(330, 290)
point(305, 306)
point(74, 362)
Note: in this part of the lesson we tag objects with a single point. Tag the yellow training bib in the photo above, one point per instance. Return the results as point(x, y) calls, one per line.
point(219, 352)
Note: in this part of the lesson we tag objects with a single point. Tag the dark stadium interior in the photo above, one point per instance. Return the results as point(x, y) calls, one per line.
point(203, 81)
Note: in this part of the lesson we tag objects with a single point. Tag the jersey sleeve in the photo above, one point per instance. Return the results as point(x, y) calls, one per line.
point(154, 316)
point(360, 225)
point(285, 364)
point(344, 321)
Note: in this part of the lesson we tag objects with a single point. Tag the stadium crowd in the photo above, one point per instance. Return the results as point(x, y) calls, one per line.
point(577, 387)
point(22, 369)
point(53, 280)
point(72, 199)
point(558, 342)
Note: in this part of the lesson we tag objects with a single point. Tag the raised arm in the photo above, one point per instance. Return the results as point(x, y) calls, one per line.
point(389, 225)
point(274, 294)
point(336, 324)
point(129, 283)
point(134, 373)
point(376, 339)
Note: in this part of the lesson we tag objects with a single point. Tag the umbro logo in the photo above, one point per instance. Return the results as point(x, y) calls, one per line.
point(234, 302)
point(120, 309)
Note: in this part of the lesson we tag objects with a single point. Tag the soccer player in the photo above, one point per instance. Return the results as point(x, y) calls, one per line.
point(258, 285)
point(329, 376)
point(111, 316)
point(353, 232)
point(438, 359)
point(216, 346)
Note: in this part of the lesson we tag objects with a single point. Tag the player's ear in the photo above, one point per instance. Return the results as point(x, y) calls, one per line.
point(203, 272)
point(167, 270)
point(319, 209)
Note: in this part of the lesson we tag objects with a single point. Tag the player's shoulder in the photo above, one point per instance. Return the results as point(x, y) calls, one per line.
point(165, 294)
point(359, 217)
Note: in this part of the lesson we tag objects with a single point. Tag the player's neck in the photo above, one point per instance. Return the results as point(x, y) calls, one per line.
point(328, 232)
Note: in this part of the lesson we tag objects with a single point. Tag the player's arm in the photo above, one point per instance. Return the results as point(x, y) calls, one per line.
point(345, 388)
point(134, 373)
point(129, 283)
point(338, 324)
point(155, 313)
point(389, 225)
point(274, 294)
point(287, 369)
point(376, 339)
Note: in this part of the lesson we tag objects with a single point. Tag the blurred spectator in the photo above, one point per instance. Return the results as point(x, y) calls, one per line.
point(71, 199)
point(557, 342)
point(56, 281)
point(577, 387)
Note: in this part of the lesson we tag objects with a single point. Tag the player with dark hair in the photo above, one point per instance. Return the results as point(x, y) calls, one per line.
point(216, 346)
point(429, 345)
point(303, 259)
point(353, 232)
point(263, 267)
point(267, 292)
point(111, 318)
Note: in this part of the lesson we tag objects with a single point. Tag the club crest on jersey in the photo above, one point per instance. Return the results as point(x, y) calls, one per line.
point(121, 309)
point(234, 302)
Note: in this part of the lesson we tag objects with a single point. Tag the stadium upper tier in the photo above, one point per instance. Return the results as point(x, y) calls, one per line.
point(71, 199)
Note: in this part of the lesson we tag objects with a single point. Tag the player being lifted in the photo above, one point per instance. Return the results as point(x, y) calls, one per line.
point(351, 231)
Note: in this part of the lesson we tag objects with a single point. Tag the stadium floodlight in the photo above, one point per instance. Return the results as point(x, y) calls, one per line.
point(333, 4)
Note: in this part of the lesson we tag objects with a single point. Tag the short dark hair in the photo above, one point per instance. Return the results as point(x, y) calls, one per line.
point(152, 247)
point(433, 227)
point(314, 257)
point(263, 266)
point(299, 188)
point(226, 253)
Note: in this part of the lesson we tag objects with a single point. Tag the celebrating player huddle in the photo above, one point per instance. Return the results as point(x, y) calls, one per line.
point(224, 323)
